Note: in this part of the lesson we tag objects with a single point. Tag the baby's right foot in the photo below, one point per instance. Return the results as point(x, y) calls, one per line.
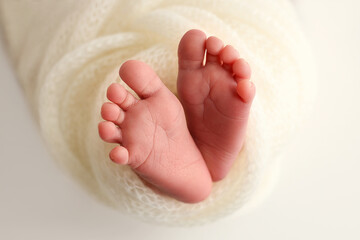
point(216, 97)
point(153, 136)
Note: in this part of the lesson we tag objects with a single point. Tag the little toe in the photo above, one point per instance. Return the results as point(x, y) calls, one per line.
point(241, 69)
point(112, 112)
point(119, 95)
point(246, 90)
point(141, 78)
point(191, 51)
point(228, 56)
point(119, 155)
point(109, 132)
point(213, 47)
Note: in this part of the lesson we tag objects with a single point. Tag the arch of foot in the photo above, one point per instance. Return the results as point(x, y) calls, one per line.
point(83, 57)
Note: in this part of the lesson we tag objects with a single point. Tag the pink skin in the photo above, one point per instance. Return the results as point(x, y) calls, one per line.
point(216, 98)
point(154, 138)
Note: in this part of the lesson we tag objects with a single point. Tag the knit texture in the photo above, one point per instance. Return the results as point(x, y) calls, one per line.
point(66, 53)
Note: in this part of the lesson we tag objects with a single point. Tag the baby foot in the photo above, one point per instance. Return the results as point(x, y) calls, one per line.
point(216, 97)
point(152, 135)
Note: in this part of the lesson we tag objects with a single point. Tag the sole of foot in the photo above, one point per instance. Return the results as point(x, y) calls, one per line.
point(215, 91)
point(153, 136)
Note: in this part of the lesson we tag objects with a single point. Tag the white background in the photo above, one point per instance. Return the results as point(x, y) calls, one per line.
point(317, 197)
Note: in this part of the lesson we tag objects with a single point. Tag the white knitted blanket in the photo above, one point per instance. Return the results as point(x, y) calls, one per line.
point(67, 52)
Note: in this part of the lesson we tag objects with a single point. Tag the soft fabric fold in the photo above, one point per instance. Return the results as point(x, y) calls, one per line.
point(66, 53)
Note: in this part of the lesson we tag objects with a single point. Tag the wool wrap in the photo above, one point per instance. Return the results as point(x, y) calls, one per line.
point(66, 53)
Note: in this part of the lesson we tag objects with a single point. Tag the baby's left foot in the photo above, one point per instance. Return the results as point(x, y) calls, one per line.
point(152, 135)
point(216, 97)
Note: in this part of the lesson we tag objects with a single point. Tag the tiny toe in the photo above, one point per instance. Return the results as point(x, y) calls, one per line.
point(112, 112)
point(241, 69)
point(119, 95)
point(141, 78)
point(228, 55)
point(246, 90)
point(191, 51)
point(109, 132)
point(213, 47)
point(119, 155)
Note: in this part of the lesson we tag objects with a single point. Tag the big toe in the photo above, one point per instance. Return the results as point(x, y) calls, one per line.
point(191, 49)
point(141, 78)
